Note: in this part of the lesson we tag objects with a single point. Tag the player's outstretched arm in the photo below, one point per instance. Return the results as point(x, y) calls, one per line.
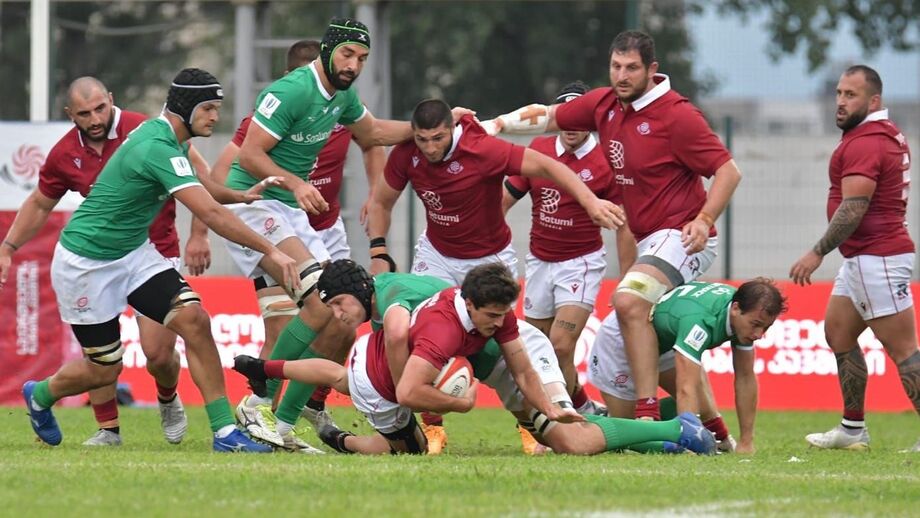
point(532, 119)
point(745, 398)
point(530, 385)
point(29, 220)
point(371, 131)
point(416, 390)
point(226, 224)
point(603, 213)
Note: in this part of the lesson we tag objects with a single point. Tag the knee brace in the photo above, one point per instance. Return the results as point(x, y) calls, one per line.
point(185, 297)
point(106, 333)
point(277, 306)
point(411, 435)
point(643, 286)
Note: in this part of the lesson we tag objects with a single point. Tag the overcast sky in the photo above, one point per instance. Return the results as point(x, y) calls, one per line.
point(736, 54)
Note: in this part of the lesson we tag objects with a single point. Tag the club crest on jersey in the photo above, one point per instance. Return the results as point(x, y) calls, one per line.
point(549, 200)
point(455, 167)
point(617, 154)
point(585, 175)
point(644, 128)
point(414, 161)
point(77, 162)
point(432, 200)
point(696, 338)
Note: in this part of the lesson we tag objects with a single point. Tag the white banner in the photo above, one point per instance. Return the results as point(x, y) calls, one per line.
point(23, 149)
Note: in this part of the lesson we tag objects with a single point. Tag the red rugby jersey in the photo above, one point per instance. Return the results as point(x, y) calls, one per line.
point(561, 229)
point(463, 192)
point(659, 147)
point(877, 150)
point(441, 329)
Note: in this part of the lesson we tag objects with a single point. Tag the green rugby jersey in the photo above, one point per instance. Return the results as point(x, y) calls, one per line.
point(145, 170)
point(298, 112)
point(693, 318)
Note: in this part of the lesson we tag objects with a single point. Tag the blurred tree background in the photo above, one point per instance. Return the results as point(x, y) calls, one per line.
point(489, 55)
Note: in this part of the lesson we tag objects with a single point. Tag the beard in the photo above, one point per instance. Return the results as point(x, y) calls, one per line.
point(342, 80)
point(637, 92)
point(105, 130)
point(853, 119)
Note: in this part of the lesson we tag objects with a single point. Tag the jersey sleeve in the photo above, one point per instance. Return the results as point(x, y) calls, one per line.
point(508, 330)
point(432, 338)
point(578, 114)
point(50, 181)
point(499, 157)
point(862, 156)
point(276, 112)
point(695, 144)
point(240, 134)
point(693, 337)
point(354, 110)
point(517, 186)
point(170, 168)
point(396, 171)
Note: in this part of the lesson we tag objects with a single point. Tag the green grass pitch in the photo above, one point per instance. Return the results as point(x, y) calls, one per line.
point(483, 473)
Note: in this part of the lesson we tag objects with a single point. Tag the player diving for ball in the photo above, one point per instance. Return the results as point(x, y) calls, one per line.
point(420, 323)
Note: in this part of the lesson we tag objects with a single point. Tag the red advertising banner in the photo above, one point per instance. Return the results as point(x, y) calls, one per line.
point(795, 368)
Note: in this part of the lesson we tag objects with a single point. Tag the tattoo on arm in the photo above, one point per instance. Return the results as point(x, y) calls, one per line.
point(846, 218)
point(568, 326)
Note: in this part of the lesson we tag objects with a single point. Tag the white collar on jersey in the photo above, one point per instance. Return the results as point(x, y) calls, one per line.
point(586, 147)
point(458, 132)
point(319, 83)
point(113, 131)
point(652, 95)
point(881, 115)
point(462, 312)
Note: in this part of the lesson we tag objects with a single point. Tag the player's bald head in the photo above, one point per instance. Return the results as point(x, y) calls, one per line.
point(84, 88)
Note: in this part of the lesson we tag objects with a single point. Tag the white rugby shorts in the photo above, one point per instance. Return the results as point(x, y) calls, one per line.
point(276, 222)
point(429, 261)
point(665, 244)
point(878, 286)
point(93, 291)
point(384, 415)
point(608, 367)
point(552, 285)
point(335, 240)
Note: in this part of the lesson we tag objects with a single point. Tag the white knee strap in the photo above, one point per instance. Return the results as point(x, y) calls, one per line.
point(643, 286)
point(277, 306)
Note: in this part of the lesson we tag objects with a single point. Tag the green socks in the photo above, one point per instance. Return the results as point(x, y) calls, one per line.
point(219, 413)
point(292, 342)
point(41, 394)
point(620, 433)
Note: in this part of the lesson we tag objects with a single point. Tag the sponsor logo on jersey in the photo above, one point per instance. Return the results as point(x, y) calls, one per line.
point(644, 128)
point(181, 166)
point(432, 200)
point(455, 167)
point(617, 154)
point(696, 338)
point(585, 175)
point(622, 179)
point(269, 104)
point(321, 181)
point(300, 138)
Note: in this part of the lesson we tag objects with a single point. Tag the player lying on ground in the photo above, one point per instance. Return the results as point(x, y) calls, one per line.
point(447, 325)
point(689, 320)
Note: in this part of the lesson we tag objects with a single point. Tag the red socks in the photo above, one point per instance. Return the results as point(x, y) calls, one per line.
point(648, 408)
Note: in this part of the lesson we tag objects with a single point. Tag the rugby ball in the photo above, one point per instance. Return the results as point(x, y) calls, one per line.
point(455, 378)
